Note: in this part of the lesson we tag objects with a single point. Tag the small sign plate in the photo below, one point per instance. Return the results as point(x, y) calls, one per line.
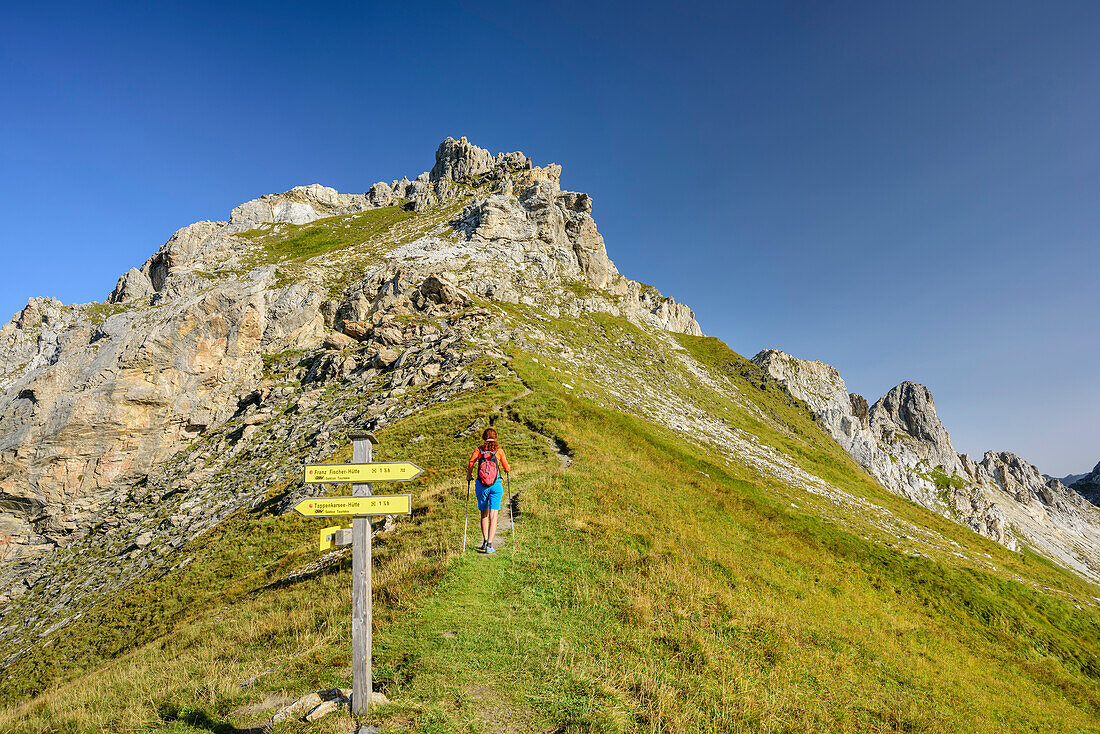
point(394, 471)
point(386, 504)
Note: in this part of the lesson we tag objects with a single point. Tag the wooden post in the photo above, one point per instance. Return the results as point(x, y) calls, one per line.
point(362, 444)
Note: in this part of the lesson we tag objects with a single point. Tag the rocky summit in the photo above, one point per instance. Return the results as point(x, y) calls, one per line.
point(902, 443)
point(696, 531)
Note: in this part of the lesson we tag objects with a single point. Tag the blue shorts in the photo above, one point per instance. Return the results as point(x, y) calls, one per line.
point(488, 498)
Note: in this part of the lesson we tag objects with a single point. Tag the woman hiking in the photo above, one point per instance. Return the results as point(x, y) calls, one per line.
point(489, 459)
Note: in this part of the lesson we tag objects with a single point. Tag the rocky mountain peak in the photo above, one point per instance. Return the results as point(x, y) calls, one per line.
point(815, 383)
point(462, 161)
point(909, 408)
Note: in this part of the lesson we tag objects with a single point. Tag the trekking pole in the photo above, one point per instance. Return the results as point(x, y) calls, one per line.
point(511, 517)
point(466, 525)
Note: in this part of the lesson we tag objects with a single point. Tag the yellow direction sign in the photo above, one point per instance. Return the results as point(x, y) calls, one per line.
point(386, 504)
point(396, 471)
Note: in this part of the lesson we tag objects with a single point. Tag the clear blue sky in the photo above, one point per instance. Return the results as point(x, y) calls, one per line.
point(906, 191)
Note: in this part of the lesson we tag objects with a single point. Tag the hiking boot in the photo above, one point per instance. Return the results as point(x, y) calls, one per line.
point(489, 548)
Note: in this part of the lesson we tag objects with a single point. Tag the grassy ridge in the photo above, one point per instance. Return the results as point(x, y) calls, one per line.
point(652, 588)
point(297, 243)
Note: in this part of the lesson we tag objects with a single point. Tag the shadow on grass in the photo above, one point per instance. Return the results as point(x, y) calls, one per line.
point(322, 567)
point(200, 720)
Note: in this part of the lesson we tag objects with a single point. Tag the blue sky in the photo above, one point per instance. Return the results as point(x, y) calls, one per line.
point(903, 192)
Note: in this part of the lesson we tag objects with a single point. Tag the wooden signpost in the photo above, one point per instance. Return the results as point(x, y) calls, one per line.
point(360, 506)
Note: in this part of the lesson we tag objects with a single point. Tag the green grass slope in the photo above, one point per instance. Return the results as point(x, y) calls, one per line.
point(651, 586)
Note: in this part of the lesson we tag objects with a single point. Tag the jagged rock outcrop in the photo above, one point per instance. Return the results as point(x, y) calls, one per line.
point(463, 162)
point(902, 443)
point(537, 247)
point(905, 419)
point(1088, 486)
point(860, 409)
point(300, 205)
point(95, 396)
point(106, 401)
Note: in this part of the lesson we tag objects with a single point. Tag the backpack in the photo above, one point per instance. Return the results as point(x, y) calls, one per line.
point(487, 467)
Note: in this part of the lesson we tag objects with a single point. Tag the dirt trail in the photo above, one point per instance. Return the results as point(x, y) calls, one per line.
point(510, 506)
point(558, 444)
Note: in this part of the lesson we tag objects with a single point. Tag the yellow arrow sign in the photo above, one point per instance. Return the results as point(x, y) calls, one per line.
point(386, 504)
point(398, 471)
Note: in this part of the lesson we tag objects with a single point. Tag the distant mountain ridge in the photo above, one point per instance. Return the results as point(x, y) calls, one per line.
point(902, 443)
point(1068, 480)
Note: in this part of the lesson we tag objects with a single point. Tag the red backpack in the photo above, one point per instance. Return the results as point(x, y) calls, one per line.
point(487, 467)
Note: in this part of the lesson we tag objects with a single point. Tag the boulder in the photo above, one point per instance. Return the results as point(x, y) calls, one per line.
point(460, 160)
point(389, 334)
point(133, 286)
point(443, 292)
point(358, 330)
point(380, 194)
point(336, 340)
point(386, 357)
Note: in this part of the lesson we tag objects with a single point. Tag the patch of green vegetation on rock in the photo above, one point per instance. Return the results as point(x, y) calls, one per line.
point(280, 363)
point(579, 288)
point(943, 481)
point(97, 313)
point(301, 242)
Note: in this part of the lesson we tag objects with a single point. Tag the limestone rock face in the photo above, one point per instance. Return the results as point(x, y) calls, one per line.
point(901, 442)
point(461, 161)
point(300, 205)
point(860, 409)
point(134, 286)
point(105, 402)
point(380, 194)
point(530, 243)
point(192, 245)
point(514, 182)
point(1088, 486)
point(906, 417)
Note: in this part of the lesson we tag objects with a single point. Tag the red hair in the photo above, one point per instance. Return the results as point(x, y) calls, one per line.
point(489, 436)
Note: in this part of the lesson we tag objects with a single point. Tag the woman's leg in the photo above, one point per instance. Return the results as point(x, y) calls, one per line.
point(492, 525)
point(485, 533)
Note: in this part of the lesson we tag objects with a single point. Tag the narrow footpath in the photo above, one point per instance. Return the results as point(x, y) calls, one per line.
point(472, 640)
